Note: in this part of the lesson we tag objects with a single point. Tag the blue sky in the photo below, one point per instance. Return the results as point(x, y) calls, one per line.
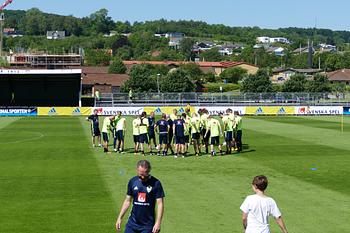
point(265, 14)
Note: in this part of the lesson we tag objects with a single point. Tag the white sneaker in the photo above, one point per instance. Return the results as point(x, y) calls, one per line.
point(175, 156)
point(99, 145)
point(115, 150)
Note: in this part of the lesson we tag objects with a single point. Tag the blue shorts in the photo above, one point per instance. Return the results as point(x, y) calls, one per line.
point(95, 132)
point(105, 137)
point(131, 229)
point(163, 138)
point(229, 136)
point(143, 138)
point(180, 140)
point(119, 135)
point(151, 135)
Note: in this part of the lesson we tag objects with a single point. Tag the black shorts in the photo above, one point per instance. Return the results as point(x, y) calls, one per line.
point(163, 139)
point(206, 139)
point(119, 135)
point(105, 137)
point(143, 138)
point(96, 132)
point(196, 136)
point(229, 136)
point(170, 137)
point(187, 139)
point(215, 140)
point(180, 140)
point(136, 138)
point(151, 135)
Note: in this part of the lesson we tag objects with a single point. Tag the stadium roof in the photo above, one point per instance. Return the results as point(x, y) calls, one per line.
point(39, 71)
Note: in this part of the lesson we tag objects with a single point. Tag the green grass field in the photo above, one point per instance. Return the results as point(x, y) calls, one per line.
point(52, 180)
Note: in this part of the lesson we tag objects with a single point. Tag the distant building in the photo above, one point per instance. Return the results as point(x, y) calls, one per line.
point(11, 32)
point(263, 40)
point(339, 76)
point(55, 35)
point(45, 60)
point(278, 51)
point(279, 40)
point(327, 48)
point(98, 78)
point(207, 67)
point(270, 40)
point(280, 75)
point(175, 38)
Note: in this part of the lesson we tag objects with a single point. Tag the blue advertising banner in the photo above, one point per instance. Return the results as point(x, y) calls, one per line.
point(346, 111)
point(18, 112)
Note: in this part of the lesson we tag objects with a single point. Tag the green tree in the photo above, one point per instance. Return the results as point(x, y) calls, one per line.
point(334, 62)
point(320, 83)
point(211, 55)
point(177, 81)
point(97, 58)
point(233, 75)
point(259, 83)
point(186, 46)
point(296, 83)
point(193, 70)
point(101, 22)
point(117, 66)
point(142, 79)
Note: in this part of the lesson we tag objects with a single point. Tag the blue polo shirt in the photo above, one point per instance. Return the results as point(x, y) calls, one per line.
point(151, 122)
point(145, 195)
point(179, 127)
point(163, 126)
point(94, 120)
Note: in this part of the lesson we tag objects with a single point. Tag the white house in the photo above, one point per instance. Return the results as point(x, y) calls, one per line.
point(279, 40)
point(263, 40)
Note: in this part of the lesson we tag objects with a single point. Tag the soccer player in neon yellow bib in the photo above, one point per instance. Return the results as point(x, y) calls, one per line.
point(215, 132)
point(105, 130)
point(195, 123)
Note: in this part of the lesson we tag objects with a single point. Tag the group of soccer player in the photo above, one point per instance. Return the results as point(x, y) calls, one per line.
point(176, 132)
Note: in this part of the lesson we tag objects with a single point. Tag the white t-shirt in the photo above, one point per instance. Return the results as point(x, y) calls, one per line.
point(259, 209)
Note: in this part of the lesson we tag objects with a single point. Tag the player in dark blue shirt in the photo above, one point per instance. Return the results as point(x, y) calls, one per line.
point(145, 191)
point(162, 127)
point(95, 128)
point(170, 135)
point(151, 133)
point(179, 133)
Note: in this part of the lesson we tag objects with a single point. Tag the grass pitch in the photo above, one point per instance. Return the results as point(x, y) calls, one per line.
point(52, 180)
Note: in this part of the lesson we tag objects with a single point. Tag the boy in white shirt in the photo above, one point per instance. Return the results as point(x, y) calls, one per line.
point(257, 209)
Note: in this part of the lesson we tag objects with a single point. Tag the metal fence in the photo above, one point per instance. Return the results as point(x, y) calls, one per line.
point(238, 99)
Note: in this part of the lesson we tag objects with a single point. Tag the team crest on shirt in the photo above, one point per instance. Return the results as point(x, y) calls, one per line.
point(141, 197)
point(149, 189)
point(136, 188)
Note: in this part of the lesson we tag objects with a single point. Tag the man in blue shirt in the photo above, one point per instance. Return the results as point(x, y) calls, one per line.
point(151, 133)
point(163, 128)
point(179, 133)
point(170, 135)
point(145, 191)
point(95, 128)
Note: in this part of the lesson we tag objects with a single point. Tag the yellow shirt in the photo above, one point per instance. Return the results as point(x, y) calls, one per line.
point(144, 125)
point(135, 127)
